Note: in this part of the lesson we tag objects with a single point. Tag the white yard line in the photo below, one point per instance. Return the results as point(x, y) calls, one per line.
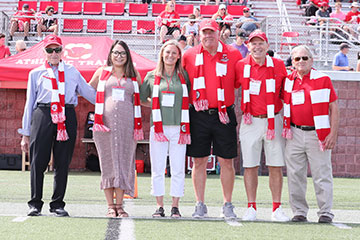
point(341, 226)
point(127, 229)
point(234, 223)
point(20, 219)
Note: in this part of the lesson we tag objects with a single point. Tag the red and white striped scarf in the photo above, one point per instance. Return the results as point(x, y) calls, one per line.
point(156, 113)
point(320, 99)
point(270, 95)
point(57, 106)
point(99, 106)
point(200, 101)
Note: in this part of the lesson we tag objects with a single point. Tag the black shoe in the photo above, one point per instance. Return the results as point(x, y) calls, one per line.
point(26, 39)
point(325, 219)
point(299, 218)
point(10, 38)
point(34, 212)
point(160, 212)
point(59, 212)
point(175, 213)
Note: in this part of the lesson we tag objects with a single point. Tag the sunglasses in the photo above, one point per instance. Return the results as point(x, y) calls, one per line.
point(245, 11)
point(192, 22)
point(51, 50)
point(304, 58)
point(51, 11)
point(117, 53)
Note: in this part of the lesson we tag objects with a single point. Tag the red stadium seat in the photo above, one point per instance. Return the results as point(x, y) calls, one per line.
point(287, 39)
point(72, 8)
point(73, 25)
point(184, 10)
point(116, 9)
point(32, 5)
point(208, 11)
point(122, 26)
point(43, 6)
point(235, 10)
point(136, 9)
point(145, 26)
point(96, 26)
point(157, 8)
point(92, 8)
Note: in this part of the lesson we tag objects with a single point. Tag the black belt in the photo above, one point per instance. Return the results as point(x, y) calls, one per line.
point(304, 128)
point(212, 111)
point(49, 104)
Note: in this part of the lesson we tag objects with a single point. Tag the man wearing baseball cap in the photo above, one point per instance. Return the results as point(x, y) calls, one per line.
point(341, 61)
point(247, 22)
point(261, 78)
point(211, 69)
point(49, 123)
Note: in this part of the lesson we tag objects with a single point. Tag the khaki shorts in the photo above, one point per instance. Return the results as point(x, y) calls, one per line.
point(253, 138)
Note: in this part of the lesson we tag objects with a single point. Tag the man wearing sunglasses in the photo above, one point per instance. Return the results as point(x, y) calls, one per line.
point(311, 122)
point(49, 123)
point(49, 23)
point(247, 22)
point(261, 78)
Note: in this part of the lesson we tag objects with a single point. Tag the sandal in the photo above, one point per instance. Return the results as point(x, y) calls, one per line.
point(175, 213)
point(111, 211)
point(160, 212)
point(120, 211)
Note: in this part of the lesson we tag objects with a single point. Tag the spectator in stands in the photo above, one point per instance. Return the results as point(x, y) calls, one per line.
point(322, 14)
point(247, 22)
point(341, 61)
point(260, 75)
point(358, 62)
point(170, 22)
point(183, 44)
point(4, 50)
point(115, 120)
point(49, 123)
point(217, 2)
point(191, 31)
point(239, 43)
point(47, 24)
point(122, 1)
point(166, 90)
point(20, 23)
point(197, 13)
point(311, 9)
point(225, 27)
point(353, 19)
point(20, 46)
point(311, 124)
point(211, 68)
point(338, 13)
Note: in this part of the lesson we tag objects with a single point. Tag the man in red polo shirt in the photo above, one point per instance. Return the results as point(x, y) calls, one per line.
point(21, 22)
point(261, 78)
point(4, 50)
point(311, 122)
point(211, 69)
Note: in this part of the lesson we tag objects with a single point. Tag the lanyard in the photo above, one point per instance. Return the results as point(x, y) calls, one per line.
point(168, 80)
point(119, 80)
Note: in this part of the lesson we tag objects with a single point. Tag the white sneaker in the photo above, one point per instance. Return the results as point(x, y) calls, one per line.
point(250, 214)
point(279, 216)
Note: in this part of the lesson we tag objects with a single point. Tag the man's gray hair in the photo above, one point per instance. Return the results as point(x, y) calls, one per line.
point(299, 47)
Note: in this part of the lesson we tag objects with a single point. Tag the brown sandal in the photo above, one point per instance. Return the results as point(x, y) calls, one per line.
point(111, 211)
point(120, 211)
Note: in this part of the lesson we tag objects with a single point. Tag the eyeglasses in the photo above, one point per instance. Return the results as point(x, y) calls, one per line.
point(245, 11)
point(51, 11)
point(51, 50)
point(192, 22)
point(117, 53)
point(304, 58)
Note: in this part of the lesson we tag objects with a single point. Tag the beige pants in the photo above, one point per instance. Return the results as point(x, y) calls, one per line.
point(299, 151)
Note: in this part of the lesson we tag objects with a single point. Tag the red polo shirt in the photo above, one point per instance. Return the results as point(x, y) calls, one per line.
point(302, 114)
point(170, 15)
point(258, 104)
point(4, 50)
point(350, 15)
point(210, 74)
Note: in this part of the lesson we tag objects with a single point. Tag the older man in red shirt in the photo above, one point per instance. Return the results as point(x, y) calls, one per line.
point(311, 122)
point(211, 69)
point(261, 78)
point(21, 22)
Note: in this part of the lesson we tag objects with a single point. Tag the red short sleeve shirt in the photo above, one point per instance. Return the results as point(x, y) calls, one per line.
point(210, 74)
point(302, 114)
point(170, 15)
point(350, 15)
point(258, 105)
point(4, 50)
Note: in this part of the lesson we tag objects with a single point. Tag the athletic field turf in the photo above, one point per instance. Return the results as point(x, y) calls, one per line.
point(87, 207)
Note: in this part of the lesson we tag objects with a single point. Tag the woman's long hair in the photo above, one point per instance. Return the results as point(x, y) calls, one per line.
point(160, 68)
point(129, 69)
point(167, 7)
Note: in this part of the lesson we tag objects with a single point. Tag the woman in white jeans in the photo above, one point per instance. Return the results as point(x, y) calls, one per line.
point(165, 90)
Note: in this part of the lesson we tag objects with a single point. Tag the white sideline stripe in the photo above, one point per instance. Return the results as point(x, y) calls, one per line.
point(20, 219)
point(234, 223)
point(126, 229)
point(341, 226)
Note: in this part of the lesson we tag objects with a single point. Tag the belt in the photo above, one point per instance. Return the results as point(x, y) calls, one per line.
point(304, 128)
point(212, 111)
point(49, 104)
point(263, 115)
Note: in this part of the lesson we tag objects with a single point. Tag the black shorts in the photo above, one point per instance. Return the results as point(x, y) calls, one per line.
point(206, 129)
point(171, 30)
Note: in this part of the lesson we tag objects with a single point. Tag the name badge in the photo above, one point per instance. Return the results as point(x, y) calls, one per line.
point(255, 86)
point(118, 94)
point(168, 99)
point(298, 97)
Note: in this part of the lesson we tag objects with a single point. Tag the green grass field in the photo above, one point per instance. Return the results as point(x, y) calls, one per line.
point(83, 190)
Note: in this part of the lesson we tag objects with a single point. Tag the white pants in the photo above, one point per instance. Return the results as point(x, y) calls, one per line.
point(158, 157)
